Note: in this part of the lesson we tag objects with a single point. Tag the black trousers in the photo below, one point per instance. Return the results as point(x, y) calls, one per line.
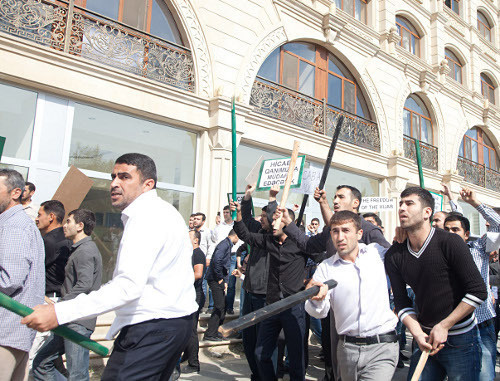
point(252, 302)
point(327, 348)
point(148, 350)
point(219, 312)
point(192, 349)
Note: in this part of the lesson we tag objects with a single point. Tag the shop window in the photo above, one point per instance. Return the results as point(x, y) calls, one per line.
point(454, 65)
point(410, 39)
point(487, 88)
point(416, 120)
point(356, 8)
point(484, 26)
point(477, 147)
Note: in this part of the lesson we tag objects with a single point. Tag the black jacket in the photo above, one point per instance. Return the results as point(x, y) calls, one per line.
point(57, 249)
point(220, 262)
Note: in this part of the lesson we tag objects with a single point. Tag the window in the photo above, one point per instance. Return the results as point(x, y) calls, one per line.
point(477, 147)
point(17, 118)
point(484, 26)
point(416, 120)
point(454, 65)
point(410, 39)
point(150, 16)
point(356, 8)
point(487, 88)
point(454, 5)
point(312, 70)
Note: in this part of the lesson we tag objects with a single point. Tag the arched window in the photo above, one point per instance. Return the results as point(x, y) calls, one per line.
point(454, 5)
point(416, 120)
point(410, 40)
point(483, 25)
point(150, 16)
point(312, 70)
point(356, 8)
point(477, 147)
point(487, 88)
point(454, 65)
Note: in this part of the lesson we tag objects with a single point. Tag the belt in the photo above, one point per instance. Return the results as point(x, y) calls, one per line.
point(52, 294)
point(390, 337)
point(486, 323)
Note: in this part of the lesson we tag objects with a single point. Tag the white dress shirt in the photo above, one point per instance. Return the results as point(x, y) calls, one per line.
point(206, 240)
point(360, 301)
point(153, 277)
point(31, 210)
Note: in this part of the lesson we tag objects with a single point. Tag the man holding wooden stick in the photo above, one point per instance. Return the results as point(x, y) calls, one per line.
point(448, 288)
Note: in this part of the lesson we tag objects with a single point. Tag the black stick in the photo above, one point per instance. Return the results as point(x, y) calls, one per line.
point(326, 168)
point(271, 310)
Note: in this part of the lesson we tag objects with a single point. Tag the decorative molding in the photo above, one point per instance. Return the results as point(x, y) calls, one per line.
point(199, 47)
point(270, 42)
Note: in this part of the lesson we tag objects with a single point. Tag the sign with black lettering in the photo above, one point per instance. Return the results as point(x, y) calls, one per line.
point(377, 204)
point(274, 172)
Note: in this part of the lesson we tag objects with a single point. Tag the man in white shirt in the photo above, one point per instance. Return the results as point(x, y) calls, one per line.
point(152, 288)
point(199, 220)
point(368, 344)
point(29, 206)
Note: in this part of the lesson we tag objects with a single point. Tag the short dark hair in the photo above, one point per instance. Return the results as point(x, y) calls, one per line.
point(355, 192)
point(232, 232)
point(264, 208)
point(423, 194)
point(315, 219)
point(226, 208)
point(446, 214)
point(85, 216)
point(13, 180)
point(145, 165)
point(291, 213)
point(344, 216)
point(30, 186)
point(192, 215)
point(464, 221)
point(375, 217)
point(56, 207)
point(203, 217)
point(197, 235)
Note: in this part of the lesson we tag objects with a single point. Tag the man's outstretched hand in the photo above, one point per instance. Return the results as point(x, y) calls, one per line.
point(42, 319)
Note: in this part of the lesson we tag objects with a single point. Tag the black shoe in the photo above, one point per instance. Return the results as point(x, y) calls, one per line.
point(212, 338)
point(401, 364)
point(403, 357)
point(209, 311)
point(190, 369)
point(230, 312)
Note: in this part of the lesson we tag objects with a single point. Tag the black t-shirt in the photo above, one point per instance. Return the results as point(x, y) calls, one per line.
point(199, 259)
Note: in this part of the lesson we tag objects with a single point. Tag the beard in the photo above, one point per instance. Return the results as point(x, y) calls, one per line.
point(4, 205)
point(412, 226)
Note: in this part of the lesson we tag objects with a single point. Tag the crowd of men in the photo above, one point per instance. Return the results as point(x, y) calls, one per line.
point(433, 280)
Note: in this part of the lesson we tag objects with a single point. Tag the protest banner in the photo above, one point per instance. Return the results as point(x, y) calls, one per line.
point(310, 181)
point(253, 175)
point(239, 197)
point(274, 171)
point(438, 201)
point(377, 204)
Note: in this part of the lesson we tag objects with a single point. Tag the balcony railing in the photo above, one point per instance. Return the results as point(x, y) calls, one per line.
point(74, 30)
point(428, 153)
point(290, 106)
point(478, 174)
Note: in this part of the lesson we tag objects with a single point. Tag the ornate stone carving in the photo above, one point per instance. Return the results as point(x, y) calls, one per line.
point(272, 40)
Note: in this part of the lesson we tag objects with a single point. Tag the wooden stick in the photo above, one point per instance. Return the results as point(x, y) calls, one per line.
point(420, 366)
point(270, 310)
point(289, 178)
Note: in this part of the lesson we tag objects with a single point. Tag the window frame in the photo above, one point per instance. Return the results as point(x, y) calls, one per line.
point(484, 27)
point(454, 4)
point(492, 154)
point(352, 12)
point(414, 36)
point(455, 63)
point(486, 87)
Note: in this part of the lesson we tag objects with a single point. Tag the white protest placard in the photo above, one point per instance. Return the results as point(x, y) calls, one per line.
point(274, 172)
point(377, 204)
point(438, 201)
point(239, 197)
point(310, 181)
point(253, 175)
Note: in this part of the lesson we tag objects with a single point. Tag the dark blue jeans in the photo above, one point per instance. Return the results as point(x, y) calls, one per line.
point(148, 350)
point(252, 302)
point(460, 359)
point(489, 352)
point(77, 357)
point(293, 323)
point(231, 285)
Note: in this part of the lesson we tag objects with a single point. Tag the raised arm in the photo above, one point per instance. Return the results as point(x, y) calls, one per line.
point(253, 239)
point(326, 212)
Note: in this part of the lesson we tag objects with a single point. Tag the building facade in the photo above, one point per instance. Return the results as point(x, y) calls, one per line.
point(83, 81)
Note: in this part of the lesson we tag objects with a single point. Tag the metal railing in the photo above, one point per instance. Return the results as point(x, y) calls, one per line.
point(78, 31)
point(428, 153)
point(280, 102)
point(478, 174)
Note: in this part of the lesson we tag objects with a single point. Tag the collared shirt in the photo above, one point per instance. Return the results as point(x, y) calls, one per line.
point(360, 301)
point(83, 273)
point(206, 240)
point(31, 210)
point(57, 248)
point(481, 258)
point(153, 277)
point(22, 274)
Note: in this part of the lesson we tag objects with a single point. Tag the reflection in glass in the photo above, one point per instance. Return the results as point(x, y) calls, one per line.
point(290, 71)
point(306, 51)
point(486, 157)
point(349, 97)
point(17, 116)
point(306, 78)
point(334, 91)
point(163, 23)
point(22, 170)
point(270, 68)
point(99, 137)
point(108, 8)
point(407, 122)
point(134, 13)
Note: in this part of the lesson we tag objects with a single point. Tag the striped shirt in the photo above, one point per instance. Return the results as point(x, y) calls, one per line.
point(481, 256)
point(22, 274)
